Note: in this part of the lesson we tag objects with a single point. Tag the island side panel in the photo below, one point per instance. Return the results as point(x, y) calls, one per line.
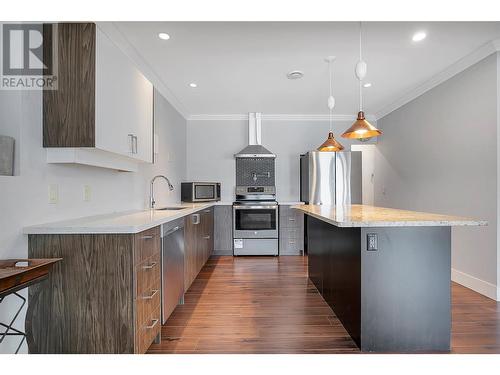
point(335, 269)
point(405, 290)
point(85, 306)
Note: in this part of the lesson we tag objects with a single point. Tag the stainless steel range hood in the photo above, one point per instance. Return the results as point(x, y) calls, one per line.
point(254, 148)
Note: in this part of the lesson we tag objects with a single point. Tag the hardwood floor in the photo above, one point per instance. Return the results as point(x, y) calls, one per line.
point(475, 320)
point(268, 305)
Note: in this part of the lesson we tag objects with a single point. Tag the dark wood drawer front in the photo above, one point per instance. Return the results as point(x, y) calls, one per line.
point(146, 304)
point(147, 244)
point(147, 332)
point(148, 275)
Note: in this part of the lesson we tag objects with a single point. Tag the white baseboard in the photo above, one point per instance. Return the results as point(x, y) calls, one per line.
point(485, 288)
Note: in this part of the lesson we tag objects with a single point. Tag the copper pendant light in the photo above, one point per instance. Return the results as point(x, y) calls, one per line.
point(361, 129)
point(331, 144)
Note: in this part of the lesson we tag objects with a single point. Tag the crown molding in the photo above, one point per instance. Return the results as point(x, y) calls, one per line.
point(459, 66)
point(122, 42)
point(276, 117)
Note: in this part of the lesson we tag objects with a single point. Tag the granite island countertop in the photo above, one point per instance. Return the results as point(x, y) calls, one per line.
point(358, 215)
point(122, 222)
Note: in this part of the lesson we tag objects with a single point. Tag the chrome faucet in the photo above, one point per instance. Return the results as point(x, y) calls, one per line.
point(151, 190)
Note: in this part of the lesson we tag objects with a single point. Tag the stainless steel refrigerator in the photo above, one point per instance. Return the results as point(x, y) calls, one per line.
point(330, 178)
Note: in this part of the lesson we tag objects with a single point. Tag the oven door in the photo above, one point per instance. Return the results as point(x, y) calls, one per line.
point(257, 221)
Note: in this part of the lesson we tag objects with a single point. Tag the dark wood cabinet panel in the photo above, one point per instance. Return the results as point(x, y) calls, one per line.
point(207, 222)
point(86, 305)
point(96, 300)
point(69, 111)
point(191, 240)
point(198, 243)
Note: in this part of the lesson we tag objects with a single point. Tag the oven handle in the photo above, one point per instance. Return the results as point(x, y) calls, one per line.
point(243, 207)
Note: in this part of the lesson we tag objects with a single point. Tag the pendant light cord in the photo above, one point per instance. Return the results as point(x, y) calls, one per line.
point(360, 80)
point(360, 96)
point(331, 93)
point(360, 52)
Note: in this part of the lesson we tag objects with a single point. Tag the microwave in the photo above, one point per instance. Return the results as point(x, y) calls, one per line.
point(200, 191)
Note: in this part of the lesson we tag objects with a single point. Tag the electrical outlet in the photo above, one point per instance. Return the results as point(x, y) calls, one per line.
point(87, 193)
point(53, 194)
point(371, 242)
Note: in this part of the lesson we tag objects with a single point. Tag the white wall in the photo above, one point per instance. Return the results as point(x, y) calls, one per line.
point(24, 198)
point(211, 145)
point(170, 128)
point(438, 153)
point(368, 171)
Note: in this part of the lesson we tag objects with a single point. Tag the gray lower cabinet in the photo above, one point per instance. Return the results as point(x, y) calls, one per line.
point(291, 224)
point(223, 230)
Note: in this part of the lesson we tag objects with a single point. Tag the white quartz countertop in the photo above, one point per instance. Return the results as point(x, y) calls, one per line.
point(124, 222)
point(358, 215)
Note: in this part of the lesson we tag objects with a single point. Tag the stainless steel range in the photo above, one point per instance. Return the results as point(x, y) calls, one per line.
point(255, 210)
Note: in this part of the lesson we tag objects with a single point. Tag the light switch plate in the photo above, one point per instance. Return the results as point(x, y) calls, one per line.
point(371, 242)
point(53, 194)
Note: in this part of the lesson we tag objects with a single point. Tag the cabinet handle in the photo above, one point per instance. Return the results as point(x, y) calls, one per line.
point(151, 295)
point(135, 143)
point(147, 237)
point(206, 237)
point(152, 265)
point(154, 323)
point(206, 211)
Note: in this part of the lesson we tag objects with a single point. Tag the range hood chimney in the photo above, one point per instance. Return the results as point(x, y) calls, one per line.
point(254, 148)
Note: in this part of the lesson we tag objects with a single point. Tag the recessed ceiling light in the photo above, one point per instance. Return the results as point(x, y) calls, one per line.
point(295, 74)
point(164, 36)
point(193, 85)
point(419, 36)
point(367, 85)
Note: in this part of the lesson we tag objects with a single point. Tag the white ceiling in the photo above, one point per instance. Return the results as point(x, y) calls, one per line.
point(241, 67)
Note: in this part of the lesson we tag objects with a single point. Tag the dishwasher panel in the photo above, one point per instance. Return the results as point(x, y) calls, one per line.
point(172, 275)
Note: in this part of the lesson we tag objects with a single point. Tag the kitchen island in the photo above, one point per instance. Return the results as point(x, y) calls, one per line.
point(385, 272)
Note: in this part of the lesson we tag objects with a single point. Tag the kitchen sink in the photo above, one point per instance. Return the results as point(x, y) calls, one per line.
point(170, 208)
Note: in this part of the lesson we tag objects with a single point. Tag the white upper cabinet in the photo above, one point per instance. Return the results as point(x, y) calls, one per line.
point(123, 103)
